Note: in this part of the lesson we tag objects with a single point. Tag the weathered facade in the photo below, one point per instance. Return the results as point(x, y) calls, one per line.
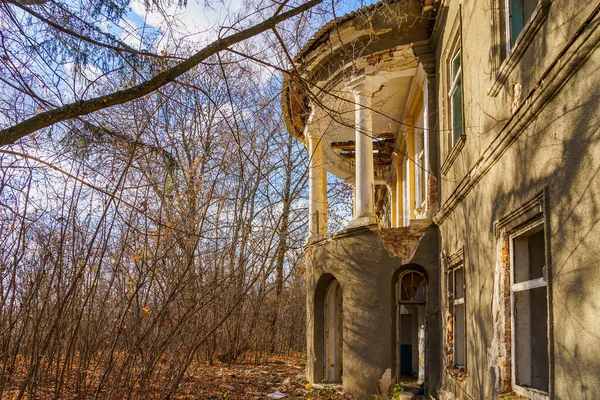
point(470, 132)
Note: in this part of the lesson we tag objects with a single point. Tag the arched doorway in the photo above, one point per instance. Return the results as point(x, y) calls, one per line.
point(333, 313)
point(411, 295)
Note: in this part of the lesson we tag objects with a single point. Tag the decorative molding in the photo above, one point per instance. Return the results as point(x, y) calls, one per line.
point(568, 61)
point(358, 86)
point(451, 157)
point(522, 43)
point(440, 23)
point(456, 258)
point(528, 211)
point(453, 260)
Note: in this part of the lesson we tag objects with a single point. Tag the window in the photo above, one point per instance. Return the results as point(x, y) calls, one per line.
point(529, 305)
point(455, 96)
point(455, 139)
point(420, 175)
point(518, 12)
point(521, 315)
point(456, 301)
point(517, 24)
point(406, 208)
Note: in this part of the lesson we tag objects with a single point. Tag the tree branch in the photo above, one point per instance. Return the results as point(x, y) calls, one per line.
point(84, 107)
point(58, 27)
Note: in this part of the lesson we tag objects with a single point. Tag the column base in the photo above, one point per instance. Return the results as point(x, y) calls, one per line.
point(363, 221)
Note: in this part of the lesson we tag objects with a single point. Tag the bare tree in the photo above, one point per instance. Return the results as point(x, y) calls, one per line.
point(168, 73)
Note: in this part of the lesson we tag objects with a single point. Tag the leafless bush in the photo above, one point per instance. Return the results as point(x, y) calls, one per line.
point(168, 234)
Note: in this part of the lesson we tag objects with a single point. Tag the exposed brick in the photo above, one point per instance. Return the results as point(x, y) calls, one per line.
point(402, 242)
point(432, 194)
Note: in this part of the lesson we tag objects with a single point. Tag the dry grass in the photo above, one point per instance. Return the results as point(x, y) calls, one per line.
point(247, 379)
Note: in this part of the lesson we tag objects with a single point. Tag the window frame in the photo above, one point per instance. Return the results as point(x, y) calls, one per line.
point(528, 392)
point(508, 55)
point(453, 143)
point(453, 301)
point(455, 83)
point(511, 41)
point(451, 264)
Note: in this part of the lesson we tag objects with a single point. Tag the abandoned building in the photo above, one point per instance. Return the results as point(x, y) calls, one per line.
point(469, 131)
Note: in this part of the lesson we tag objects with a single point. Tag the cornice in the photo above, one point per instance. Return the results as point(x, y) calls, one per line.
point(531, 209)
point(454, 259)
point(456, 149)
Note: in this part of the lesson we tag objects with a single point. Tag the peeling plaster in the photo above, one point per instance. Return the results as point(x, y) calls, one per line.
point(403, 242)
point(498, 354)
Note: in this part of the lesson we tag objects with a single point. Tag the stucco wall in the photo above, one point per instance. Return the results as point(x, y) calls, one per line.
point(557, 150)
point(367, 274)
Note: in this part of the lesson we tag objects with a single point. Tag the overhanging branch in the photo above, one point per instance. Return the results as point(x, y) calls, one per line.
point(84, 107)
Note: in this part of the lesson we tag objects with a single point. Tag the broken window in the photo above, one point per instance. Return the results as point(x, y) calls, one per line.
point(456, 300)
point(455, 95)
point(529, 300)
point(518, 12)
point(412, 288)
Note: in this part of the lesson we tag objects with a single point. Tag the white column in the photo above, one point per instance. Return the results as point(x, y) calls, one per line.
point(365, 179)
point(317, 189)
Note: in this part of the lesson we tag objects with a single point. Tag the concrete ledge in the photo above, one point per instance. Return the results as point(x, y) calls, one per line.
point(363, 221)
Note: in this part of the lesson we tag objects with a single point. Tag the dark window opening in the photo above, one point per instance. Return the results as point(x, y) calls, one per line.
point(530, 310)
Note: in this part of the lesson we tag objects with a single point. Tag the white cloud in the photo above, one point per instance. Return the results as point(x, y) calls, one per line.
point(83, 80)
point(88, 71)
point(192, 23)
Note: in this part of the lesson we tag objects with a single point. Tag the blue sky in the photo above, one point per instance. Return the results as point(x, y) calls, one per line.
point(199, 24)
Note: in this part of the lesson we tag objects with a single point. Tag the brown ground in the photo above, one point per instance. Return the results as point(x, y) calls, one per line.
point(248, 380)
point(409, 383)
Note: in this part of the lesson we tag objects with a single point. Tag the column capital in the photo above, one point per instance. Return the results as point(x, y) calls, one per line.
point(363, 85)
point(367, 85)
point(312, 134)
point(312, 129)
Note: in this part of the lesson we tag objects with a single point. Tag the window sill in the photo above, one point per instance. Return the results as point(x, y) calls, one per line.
point(523, 41)
point(453, 154)
point(533, 394)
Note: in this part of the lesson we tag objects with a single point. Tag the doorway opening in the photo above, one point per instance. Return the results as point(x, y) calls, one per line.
point(411, 294)
point(333, 333)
